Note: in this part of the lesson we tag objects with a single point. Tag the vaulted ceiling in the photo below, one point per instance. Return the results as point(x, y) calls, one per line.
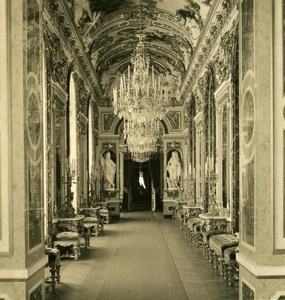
point(109, 31)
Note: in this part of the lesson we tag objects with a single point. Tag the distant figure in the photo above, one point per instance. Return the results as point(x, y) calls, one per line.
point(109, 170)
point(174, 170)
point(141, 180)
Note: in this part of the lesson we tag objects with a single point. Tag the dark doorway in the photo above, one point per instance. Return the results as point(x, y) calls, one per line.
point(141, 184)
point(136, 197)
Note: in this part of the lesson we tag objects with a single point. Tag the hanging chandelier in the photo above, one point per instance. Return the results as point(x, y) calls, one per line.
point(142, 95)
point(141, 139)
point(141, 99)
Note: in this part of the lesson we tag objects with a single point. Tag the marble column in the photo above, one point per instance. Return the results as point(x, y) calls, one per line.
point(262, 242)
point(22, 257)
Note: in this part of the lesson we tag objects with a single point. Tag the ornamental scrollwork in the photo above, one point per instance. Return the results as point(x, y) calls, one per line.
point(56, 60)
point(224, 57)
point(108, 120)
point(82, 95)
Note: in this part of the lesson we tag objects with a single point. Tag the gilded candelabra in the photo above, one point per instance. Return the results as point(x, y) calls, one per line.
point(212, 178)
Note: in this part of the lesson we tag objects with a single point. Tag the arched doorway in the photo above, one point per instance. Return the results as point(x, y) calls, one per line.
point(143, 193)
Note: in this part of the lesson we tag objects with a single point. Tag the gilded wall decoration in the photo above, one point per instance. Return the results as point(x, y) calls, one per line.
point(108, 120)
point(174, 118)
point(56, 60)
point(82, 95)
point(223, 61)
point(33, 122)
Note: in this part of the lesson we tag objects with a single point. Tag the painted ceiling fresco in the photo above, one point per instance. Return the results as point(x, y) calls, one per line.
point(109, 28)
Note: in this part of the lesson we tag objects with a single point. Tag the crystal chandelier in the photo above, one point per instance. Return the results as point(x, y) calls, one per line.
point(142, 95)
point(141, 99)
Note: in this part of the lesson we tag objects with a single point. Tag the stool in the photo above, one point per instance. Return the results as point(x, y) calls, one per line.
point(205, 235)
point(68, 242)
point(190, 226)
point(218, 244)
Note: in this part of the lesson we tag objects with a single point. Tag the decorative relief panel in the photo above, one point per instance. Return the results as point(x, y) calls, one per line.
point(223, 60)
point(174, 117)
point(33, 123)
point(36, 292)
point(247, 292)
point(56, 60)
point(108, 120)
point(82, 95)
point(33, 119)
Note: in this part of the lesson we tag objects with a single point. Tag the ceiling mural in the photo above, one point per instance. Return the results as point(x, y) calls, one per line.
point(109, 30)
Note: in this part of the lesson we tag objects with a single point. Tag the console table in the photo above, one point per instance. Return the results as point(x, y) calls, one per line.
point(191, 211)
point(209, 222)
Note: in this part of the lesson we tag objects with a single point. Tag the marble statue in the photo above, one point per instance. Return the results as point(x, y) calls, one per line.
point(109, 170)
point(174, 170)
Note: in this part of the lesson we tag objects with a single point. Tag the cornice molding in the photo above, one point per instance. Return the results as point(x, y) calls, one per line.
point(58, 17)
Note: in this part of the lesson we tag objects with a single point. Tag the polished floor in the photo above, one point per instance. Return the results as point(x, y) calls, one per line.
point(141, 256)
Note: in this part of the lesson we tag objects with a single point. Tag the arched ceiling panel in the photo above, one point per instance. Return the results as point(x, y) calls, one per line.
point(109, 30)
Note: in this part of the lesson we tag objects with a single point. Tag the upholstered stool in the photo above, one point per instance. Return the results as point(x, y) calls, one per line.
point(218, 244)
point(191, 222)
point(68, 241)
point(231, 265)
point(205, 236)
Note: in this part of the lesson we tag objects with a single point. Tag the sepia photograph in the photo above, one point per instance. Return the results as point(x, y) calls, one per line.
point(142, 150)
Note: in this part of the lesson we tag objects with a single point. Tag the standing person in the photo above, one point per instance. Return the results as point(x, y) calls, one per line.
point(109, 170)
point(174, 170)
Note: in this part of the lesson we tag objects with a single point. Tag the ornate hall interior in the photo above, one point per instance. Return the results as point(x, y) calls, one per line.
point(133, 125)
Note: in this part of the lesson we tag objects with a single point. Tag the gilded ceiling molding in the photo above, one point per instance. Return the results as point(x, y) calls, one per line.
point(59, 18)
point(208, 40)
